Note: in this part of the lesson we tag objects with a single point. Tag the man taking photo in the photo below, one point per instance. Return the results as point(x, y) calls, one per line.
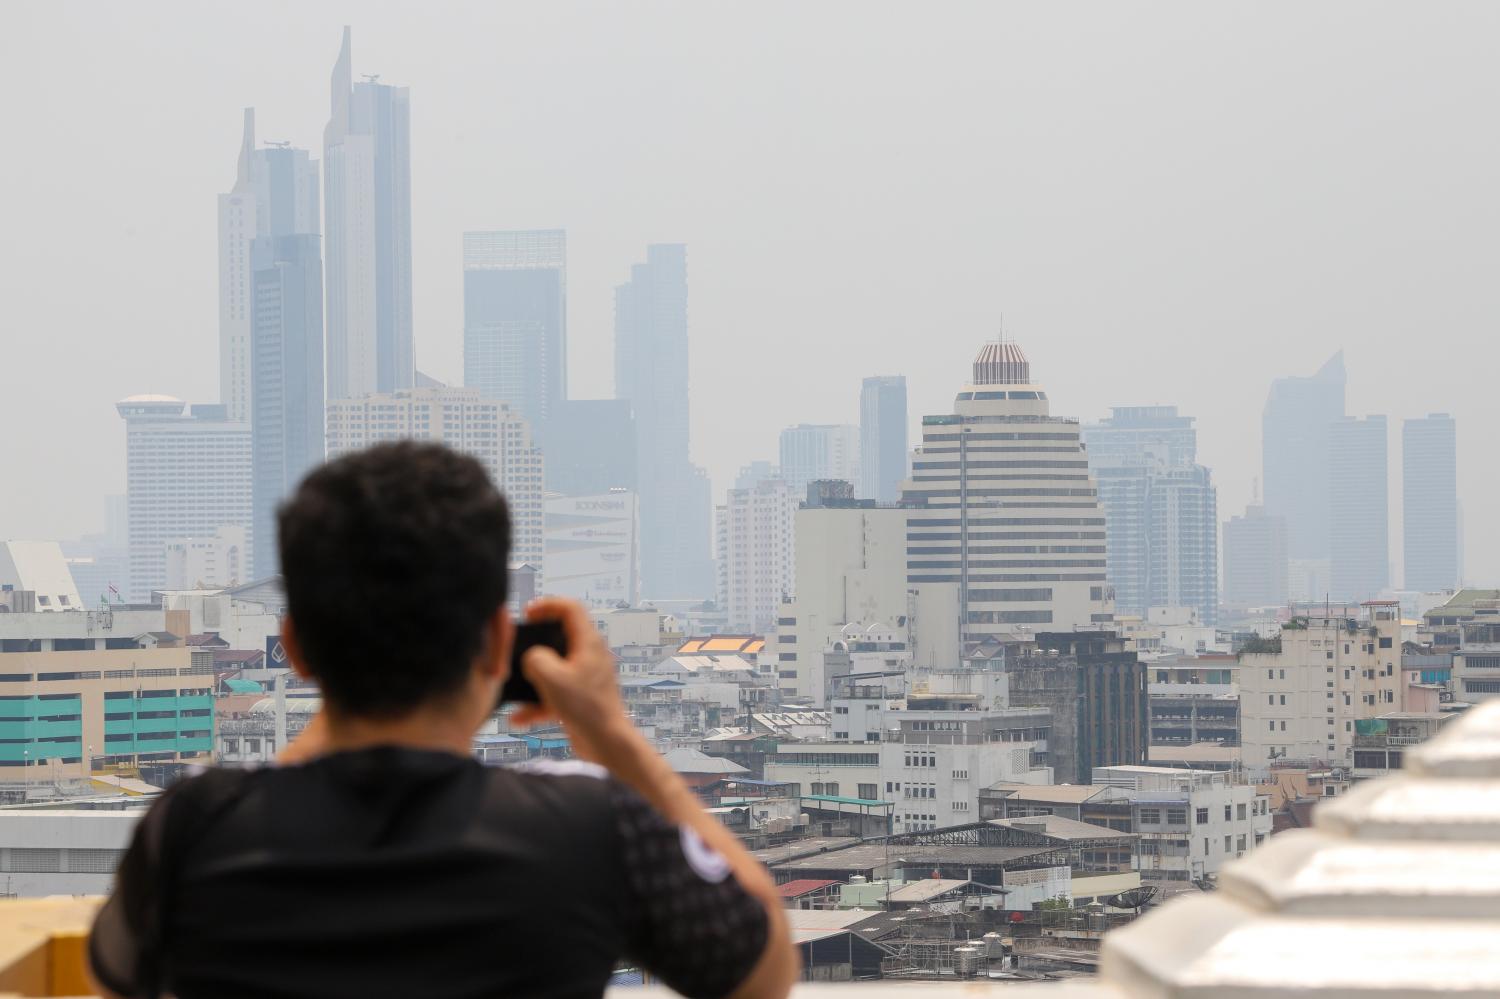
point(382, 859)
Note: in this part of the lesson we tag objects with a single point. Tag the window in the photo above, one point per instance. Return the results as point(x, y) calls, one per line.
point(1270, 674)
point(1283, 699)
point(1271, 699)
point(1239, 844)
point(1239, 813)
point(1283, 726)
point(1271, 725)
point(1177, 816)
point(1150, 816)
point(869, 791)
point(1227, 813)
point(1202, 816)
point(1385, 643)
point(1227, 841)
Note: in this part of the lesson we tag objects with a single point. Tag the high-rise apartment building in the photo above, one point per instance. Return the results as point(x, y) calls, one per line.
point(811, 452)
point(651, 373)
point(884, 456)
point(756, 535)
point(515, 319)
point(187, 474)
point(1358, 532)
point(1255, 562)
point(1302, 700)
point(367, 206)
point(286, 413)
point(1429, 477)
point(460, 418)
point(1005, 516)
point(1160, 508)
point(1295, 427)
point(275, 193)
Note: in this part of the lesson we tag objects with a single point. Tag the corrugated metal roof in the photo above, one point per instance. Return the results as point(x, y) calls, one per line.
point(803, 886)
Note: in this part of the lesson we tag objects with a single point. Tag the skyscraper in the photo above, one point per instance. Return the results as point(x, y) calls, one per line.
point(286, 422)
point(275, 193)
point(515, 319)
point(1005, 513)
point(756, 553)
point(651, 372)
point(367, 204)
point(590, 447)
point(1255, 563)
point(819, 451)
point(187, 474)
point(1294, 444)
point(1429, 477)
point(1161, 509)
point(1358, 534)
point(458, 417)
point(883, 455)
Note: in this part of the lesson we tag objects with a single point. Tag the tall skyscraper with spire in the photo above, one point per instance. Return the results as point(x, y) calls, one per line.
point(1295, 428)
point(1005, 515)
point(271, 324)
point(275, 193)
point(651, 371)
point(367, 202)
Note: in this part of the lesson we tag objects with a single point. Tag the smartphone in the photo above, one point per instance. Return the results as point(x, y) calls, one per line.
point(517, 688)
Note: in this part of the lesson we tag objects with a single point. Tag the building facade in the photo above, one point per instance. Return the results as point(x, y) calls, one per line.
point(1255, 559)
point(1003, 513)
point(1189, 823)
point(1301, 698)
point(1359, 531)
point(1161, 511)
point(219, 561)
point(593, 548)
point(756, 546)
point(286, 389)
point(516, 319)
point(367, 210)
point(490, 431)
point(810, 452)
point(651, 373)
point(590, 447)
point(86, 689)
point(884, 454)
point(275, 193)
point(187, 474)
point(1429, 484)
point(1295, 444)
point(849, 570)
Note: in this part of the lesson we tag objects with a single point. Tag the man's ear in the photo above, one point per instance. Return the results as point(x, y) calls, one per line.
point(293, 649)
point(500, 638)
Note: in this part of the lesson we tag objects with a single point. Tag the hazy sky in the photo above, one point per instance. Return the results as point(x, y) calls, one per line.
point(1169, 203)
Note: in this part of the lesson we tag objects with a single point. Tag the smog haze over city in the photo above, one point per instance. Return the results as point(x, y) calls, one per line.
point(1163, 203)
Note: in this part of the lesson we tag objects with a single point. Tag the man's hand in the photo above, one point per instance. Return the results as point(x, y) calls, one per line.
point(581, 690)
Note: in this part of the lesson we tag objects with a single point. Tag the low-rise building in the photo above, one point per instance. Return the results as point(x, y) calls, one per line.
point(1381, 744)
point(1189, 823)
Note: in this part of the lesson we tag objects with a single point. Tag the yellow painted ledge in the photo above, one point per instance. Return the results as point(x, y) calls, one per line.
point(43, 943)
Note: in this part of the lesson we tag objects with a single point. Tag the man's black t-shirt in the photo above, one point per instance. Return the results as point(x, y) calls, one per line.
point(397, 872)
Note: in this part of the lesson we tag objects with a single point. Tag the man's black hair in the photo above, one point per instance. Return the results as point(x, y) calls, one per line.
point(393, 560)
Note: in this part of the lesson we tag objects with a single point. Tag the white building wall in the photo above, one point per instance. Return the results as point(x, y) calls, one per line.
point(39, 566)
point(850, 568)
point(592, 548)
point(219, 560)
point(756, 553)
point(63, 851)
point(490, 431)
point(1303, 702)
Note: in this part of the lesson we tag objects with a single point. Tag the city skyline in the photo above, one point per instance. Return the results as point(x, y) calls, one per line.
point(607, 234)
